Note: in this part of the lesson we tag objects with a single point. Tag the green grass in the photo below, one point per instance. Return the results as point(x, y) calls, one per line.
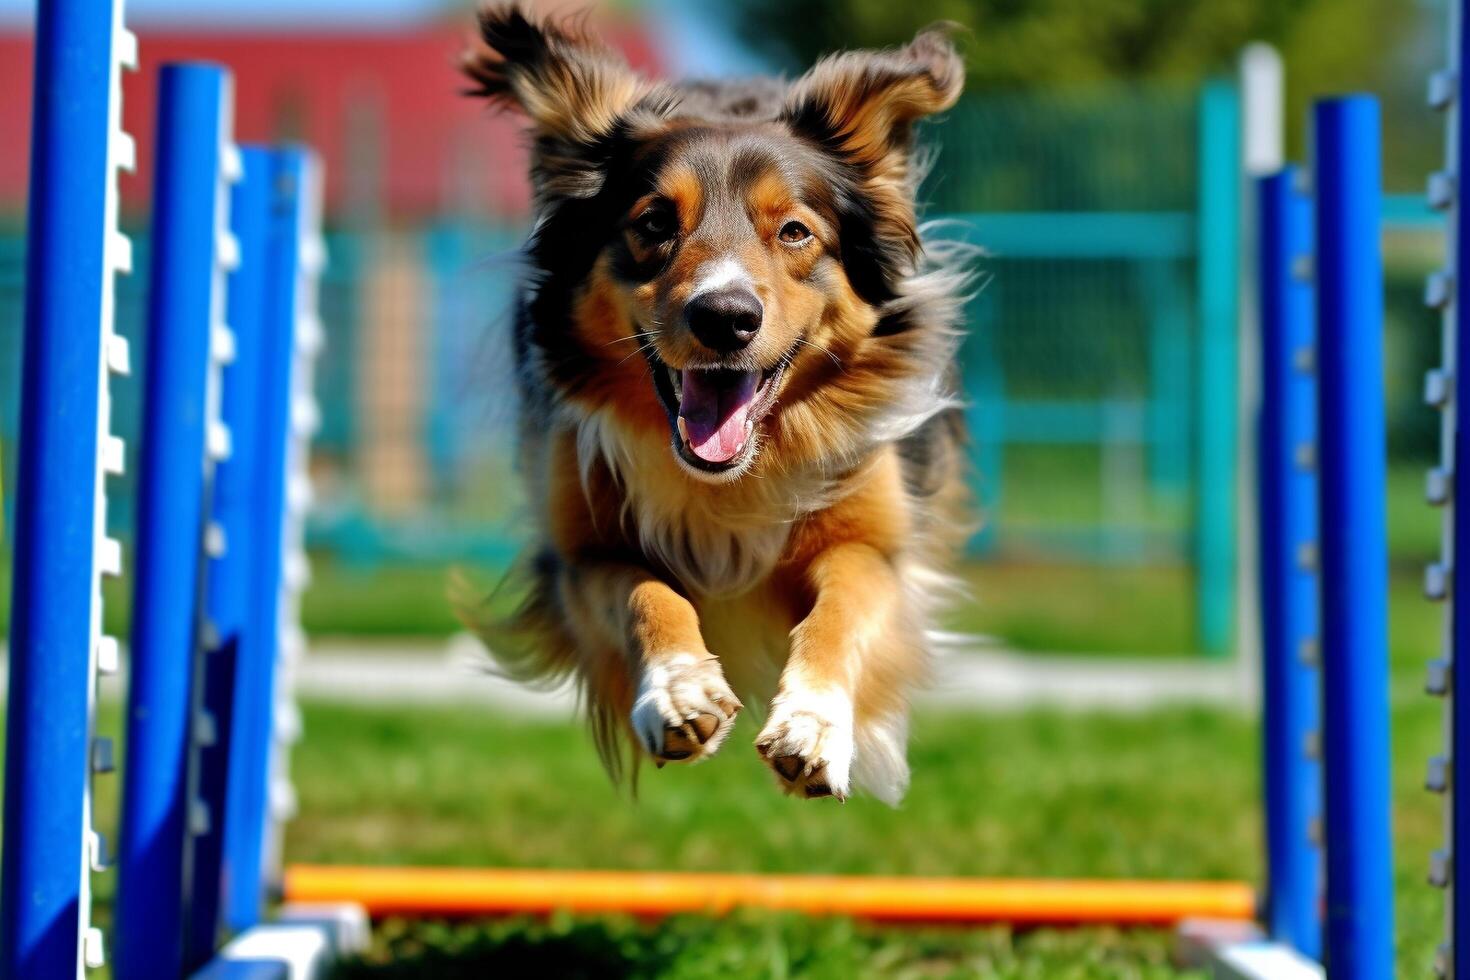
point(1057, 608)
point(1165, 794)
point(1036, 794)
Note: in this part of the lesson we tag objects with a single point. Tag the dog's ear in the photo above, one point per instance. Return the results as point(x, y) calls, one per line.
point(575, 90)
point(861, 105)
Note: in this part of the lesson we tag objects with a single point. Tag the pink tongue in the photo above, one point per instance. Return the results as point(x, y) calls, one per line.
point(715, 407)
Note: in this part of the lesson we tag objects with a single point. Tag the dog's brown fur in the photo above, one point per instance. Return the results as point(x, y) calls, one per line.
point(811, 563)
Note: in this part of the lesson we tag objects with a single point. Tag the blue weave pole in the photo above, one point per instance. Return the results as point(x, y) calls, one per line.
point(1289, 594)
point(56, 645)
point(229, 589)
point(182, 438)
point(248, 809)
point(1354, 552)
point(1459, 708)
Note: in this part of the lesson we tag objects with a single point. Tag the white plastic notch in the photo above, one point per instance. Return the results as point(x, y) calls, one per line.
point(1436, 487)
point(1306, 556)
point(1439, 868)
point(103, 760)
point(114, 455)
point(1436, 388)
point(215, 543)
point(227, 248)
point(288, 723)
point(209, 636)
point(306, 417)
point(1302, 268)
point(310, 335)
point(1437, 775)
point(283, 800)
point(118, 357)
point(293, 644)
point(1440, 190)
point(1437, 677)
point(199, 820)
point(107, 655)
point(120, 253)
point(1442, 959)
point(217, 441)
point(1437, 289)
point(1441, 88)
point(222, 345)
point(1304, 359)
point(124, 151)
point(94, 949)
point(127, 49)
point(1314, 831)
point(97, 857)
point(109, 557)
point(206, 730)
point(297, 572)
point(231, 166)
point(313, 254)
point(1309, 652)
point(1436, 581)
point(299, 494)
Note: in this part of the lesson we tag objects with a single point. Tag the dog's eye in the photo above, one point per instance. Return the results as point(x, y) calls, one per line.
point(654, 225)
point(794, 232)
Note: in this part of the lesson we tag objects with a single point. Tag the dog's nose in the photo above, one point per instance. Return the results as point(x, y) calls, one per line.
point(724, 319)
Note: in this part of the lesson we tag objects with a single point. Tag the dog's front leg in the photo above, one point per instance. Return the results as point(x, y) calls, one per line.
point(843, 688)
point(681, 708)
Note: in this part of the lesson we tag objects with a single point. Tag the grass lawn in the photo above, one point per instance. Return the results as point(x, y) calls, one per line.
point(1169, 794)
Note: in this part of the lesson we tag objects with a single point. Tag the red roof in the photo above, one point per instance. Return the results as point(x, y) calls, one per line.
point(386, 105)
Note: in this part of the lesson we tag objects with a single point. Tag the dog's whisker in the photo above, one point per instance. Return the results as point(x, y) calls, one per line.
point(818, 347)
point(637, 336)
point(641, 349)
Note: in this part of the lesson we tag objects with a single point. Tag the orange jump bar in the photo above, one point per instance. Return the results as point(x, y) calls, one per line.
point(451, 892)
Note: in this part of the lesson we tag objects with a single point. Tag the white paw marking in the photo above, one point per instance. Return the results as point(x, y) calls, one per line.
point(684, 708)
point(808, 742)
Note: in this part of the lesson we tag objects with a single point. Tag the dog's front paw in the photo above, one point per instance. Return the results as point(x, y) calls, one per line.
point(684, 708)
point(808, 740)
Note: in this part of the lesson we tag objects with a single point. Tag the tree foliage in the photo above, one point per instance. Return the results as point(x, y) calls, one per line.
point(1328, 45)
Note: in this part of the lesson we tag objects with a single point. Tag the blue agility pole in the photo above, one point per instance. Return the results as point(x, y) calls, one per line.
point(1289, 593)
point(248, 812)
point(232, 581)
point(1354, 554)
point(182, 438)
point(1457, 956)
point(56, 644)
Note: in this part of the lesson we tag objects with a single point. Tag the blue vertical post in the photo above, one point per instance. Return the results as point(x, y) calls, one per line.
point(1218, 224)
point(1289, 595)
point(1459, 707)
point(185, 290)
point(247, 817)
point(73, 251)
point(1354, 550)
point(231, 584)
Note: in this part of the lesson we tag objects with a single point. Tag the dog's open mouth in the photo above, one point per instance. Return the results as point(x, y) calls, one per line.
point(714, 411)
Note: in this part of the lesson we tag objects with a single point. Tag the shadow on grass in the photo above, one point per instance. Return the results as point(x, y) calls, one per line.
point(460, 952)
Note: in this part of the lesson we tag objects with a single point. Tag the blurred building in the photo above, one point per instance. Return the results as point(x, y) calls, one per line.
point(382, 106)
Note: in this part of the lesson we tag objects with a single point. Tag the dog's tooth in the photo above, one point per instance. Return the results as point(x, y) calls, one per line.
point(683, 429)
point(749, 428)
